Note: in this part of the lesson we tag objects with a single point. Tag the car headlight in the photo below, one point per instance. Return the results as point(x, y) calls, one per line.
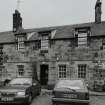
point(21, 93)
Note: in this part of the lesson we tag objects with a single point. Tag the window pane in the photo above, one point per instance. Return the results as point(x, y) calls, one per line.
point(44, 44)
point(82, 71)
point(62, 71)
point(20, 70)
point(82, 35)
point(82, 39)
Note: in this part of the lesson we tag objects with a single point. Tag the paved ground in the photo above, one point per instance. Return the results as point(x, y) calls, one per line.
point(97, 100)
point(42, 100)
point(45, 99)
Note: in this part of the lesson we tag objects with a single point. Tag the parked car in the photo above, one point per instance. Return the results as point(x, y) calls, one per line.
point(70, 91)
point(20, 90)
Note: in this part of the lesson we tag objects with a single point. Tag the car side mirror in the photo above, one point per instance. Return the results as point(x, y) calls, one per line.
point(87, 86)
point(34, 84)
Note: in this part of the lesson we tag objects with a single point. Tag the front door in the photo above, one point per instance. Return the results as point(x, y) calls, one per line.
point(43, 74)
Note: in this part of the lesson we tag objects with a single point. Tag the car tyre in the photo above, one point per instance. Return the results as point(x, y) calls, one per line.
point(87, 104)
point(104, 87)
point(53, 103)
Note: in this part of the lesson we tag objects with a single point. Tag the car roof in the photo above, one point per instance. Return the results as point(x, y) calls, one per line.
point(78, 84)
point(64, 79)
point(22, 78)
point(33, 80)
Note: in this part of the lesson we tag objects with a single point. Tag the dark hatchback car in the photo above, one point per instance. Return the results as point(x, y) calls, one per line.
point(19, 91)
point(70, 91)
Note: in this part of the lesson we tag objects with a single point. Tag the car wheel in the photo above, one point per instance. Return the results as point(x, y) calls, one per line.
point(29, 99)
point(104, 87)
point(87, 104)
point(53, 103)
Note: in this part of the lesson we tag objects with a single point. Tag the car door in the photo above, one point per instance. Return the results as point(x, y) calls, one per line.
point(35, 87)
point(38, 87)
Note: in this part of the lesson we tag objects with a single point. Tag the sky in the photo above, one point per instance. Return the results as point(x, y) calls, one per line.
point(46, 13)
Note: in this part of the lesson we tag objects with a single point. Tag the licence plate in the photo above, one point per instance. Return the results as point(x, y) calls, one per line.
point(70, 95)
point(6, 99)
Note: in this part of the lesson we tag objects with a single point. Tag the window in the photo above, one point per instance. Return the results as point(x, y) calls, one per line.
point(44, 44)
point(20, 39)
point(20, 70)
point(62, 71)
point(37, 45)
point(44, 39)
point(1, 55)
point(82, 36)
point(99, 73)
point(21, 45)
point(82, 71)
point(20, 42)
point(82, 39)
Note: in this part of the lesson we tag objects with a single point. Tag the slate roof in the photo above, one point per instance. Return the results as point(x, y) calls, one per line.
point(7, 37)
point(65, 31)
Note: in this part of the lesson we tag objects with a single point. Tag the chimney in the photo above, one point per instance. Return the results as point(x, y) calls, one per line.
point(17, 21)
point(98, 11)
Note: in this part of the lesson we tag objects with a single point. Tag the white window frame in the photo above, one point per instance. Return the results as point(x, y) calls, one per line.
point(20, 70)
point(44, 44)
point(63, 72)
point(44, 40)
point(82, 39)
point(20, 42)
point(82, 68)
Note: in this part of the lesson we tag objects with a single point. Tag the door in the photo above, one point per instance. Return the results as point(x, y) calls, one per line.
point(43, 74)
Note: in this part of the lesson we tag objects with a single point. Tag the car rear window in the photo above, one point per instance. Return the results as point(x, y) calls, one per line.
point(72, 84)
point(21, 81)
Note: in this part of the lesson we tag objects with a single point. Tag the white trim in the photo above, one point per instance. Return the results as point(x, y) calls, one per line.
point(65, 71)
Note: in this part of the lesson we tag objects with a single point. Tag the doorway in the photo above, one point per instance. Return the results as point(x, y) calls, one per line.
point(44, 74)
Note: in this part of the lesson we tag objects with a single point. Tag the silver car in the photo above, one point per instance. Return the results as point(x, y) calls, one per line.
point(70, 91)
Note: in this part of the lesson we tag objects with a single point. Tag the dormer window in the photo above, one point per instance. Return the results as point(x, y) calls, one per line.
point(82, 39)
point(44, 36)
point(82, 36)
point(20, 42)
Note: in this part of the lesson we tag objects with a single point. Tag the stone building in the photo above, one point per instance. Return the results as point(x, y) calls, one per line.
point(71, 51)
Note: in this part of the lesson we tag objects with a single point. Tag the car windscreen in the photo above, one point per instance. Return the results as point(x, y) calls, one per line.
point(21, 81)
point(70, 84)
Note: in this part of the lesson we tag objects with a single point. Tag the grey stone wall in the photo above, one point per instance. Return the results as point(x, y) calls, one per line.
point(15, 58)
point(61, 51)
